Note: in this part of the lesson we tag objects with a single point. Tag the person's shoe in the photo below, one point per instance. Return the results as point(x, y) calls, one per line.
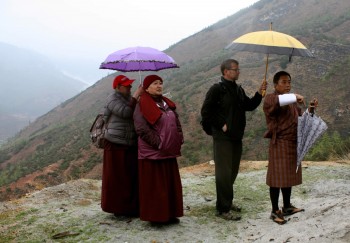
point(277, 217)
point(124, 216)
point(174, 221)
point(291, 210)
point(169, 222)
point(228, 216)
point(236, 208)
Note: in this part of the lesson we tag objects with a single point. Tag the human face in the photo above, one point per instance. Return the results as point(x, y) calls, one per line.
point(283, 85)
point(155, 88)
point(125, 90)
point(232, 73)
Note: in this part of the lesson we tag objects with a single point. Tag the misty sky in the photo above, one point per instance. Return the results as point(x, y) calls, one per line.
point(89, 30)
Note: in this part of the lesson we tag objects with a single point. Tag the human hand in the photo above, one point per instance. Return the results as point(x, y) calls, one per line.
point(300, 99)
point(138, 92)
point(263, 87)
point(313, 105)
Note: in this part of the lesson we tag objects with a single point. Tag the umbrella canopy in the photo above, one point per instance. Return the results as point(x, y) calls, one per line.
point(310, 128)
point(270, 42)
point(138, 58)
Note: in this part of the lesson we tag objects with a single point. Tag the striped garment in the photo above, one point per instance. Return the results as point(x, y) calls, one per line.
point(281, 171)
point(282, 125)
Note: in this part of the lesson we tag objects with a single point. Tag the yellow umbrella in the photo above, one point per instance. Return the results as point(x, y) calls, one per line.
point(270, 42)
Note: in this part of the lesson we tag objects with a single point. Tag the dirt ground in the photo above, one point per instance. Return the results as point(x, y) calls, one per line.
point(71, 212)
point(248, 165)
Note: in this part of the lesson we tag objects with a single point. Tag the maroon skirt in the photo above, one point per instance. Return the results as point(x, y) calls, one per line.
point(120, 180)
point(160, 190)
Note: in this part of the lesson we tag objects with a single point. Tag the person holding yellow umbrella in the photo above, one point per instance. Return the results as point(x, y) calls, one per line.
point(224, 107)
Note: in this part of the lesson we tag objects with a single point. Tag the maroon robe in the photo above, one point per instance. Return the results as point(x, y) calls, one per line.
point(120, 190)
point(160, 190)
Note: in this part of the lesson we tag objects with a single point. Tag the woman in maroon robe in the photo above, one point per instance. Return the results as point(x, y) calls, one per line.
point(281, 112)
point(159, 144)
point(120, 194)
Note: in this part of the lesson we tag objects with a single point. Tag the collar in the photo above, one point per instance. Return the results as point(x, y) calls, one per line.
point(228, 82)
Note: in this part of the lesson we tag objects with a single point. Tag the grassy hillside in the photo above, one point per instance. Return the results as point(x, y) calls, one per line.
point(56, 147)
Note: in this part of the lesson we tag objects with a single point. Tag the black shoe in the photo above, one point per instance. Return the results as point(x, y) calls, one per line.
point(229, 216)
point(174, 221)
point(169, 222)
point(236, 208)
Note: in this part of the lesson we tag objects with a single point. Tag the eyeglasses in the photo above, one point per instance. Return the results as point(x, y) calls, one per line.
point(234, 69)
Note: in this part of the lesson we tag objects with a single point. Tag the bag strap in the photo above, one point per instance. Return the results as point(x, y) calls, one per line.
point(93, 124)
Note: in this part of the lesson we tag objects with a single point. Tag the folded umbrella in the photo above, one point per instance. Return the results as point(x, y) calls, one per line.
point(310, 128)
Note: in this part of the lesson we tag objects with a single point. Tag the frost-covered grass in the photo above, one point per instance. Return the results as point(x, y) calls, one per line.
point(74, 209)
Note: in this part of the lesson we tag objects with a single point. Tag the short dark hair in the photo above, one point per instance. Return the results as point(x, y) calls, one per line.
point(279, 74)
point(227, 65)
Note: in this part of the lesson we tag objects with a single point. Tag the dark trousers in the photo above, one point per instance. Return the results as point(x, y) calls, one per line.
point(274, 196)
point(227, 157)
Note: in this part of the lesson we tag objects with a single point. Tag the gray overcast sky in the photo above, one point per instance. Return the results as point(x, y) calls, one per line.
point(92, 29)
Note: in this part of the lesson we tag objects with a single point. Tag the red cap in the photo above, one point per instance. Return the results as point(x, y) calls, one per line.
point(150, 79)
point(122, 80)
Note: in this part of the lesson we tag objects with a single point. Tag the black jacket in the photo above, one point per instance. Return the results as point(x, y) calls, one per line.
point(226, 102)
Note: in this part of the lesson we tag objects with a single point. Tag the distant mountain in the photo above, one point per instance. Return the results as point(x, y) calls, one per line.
point(30, 86)
point(56, 147)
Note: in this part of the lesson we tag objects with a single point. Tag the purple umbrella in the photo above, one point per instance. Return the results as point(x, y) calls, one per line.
point(138, 58)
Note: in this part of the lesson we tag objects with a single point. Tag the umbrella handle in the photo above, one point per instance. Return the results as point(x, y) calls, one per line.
point(140, 77)
point(263, 92)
